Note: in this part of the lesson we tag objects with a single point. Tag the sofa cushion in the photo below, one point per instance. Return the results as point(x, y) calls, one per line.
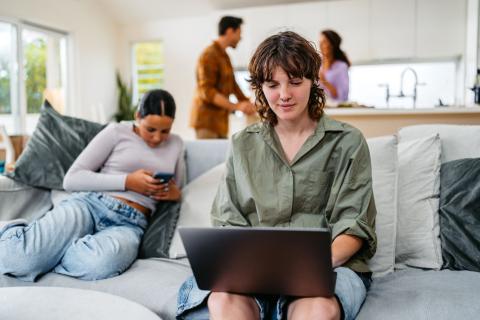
point(418, 294)
point(197, 200)
point(460, 214)
point(18, 200)
point(158, 235)
point(54, 145)
point(53, 303)
point(383, 154)
point(418, 241)
point(153, 283)
point(458, 141)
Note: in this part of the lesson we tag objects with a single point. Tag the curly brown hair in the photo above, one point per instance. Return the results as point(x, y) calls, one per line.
point(298, 58)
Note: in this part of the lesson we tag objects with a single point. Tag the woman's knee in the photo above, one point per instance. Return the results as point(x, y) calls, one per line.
point(91, 267)
point(222, 303)
point(87, 262)
point(315, 308)
point(218, 301)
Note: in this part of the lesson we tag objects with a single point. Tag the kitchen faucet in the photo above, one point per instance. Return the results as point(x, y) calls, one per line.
point(415, 85)
point(402, 94)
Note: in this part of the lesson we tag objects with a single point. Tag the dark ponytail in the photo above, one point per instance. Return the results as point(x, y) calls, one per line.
point(158, 102)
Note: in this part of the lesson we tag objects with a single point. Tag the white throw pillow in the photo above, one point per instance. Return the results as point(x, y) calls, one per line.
point(197, 200)
point(458, 141)
point(383, 154)
point(418, 241)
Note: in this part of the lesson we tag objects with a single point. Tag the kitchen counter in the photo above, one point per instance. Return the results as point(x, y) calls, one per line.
point(378, 122)
point(396, 111)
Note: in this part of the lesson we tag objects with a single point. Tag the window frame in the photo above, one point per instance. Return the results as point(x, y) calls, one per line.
point(133, 67)
point(18, 94)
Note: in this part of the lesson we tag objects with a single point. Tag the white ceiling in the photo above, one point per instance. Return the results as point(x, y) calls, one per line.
point(139, 11)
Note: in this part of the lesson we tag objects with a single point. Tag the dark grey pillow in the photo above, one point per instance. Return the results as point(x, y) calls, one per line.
point(460, 214)
point(158, 236)
point(54, 145)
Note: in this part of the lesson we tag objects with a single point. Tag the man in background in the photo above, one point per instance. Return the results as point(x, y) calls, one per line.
point(216, 82)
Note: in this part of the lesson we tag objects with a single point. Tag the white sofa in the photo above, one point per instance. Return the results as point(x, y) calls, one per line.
point(407, 283)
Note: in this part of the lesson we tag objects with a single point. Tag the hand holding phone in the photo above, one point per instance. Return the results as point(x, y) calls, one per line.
point(164, 177)
point(170, 191)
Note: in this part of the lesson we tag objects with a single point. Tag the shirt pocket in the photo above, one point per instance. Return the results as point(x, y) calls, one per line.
point(317, 191)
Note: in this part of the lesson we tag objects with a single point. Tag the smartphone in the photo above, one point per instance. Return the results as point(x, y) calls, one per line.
point(163, 176)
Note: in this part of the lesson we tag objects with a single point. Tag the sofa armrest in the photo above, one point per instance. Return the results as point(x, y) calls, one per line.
point(18, 200)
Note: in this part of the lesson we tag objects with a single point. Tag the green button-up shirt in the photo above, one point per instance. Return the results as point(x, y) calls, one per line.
point(328, 184)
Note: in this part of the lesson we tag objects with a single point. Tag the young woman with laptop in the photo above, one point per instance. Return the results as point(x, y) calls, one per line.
point(297, 169)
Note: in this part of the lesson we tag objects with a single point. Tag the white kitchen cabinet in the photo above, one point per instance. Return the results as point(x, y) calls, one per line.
point(351, 20)
point(392, 29)
point(308, 19)
point(372, 30)
point(259, 23)
point(441, 28)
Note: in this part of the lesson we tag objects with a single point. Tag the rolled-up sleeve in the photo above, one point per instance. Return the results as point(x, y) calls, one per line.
point(354, 209)
point(238, 92)
point(225, 209)
point(207, 77)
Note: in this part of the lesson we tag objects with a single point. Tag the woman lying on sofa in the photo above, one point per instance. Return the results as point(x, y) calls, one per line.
point(95, 234)
point(298, 168)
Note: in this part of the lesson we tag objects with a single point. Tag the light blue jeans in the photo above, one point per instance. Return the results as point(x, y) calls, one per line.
point(350, 289)
point(89, 236)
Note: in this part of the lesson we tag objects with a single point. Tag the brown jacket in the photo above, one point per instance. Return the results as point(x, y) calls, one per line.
point(214, 75)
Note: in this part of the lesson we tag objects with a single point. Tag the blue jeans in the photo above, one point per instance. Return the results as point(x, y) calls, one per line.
point(89, 236)
point(350, 290)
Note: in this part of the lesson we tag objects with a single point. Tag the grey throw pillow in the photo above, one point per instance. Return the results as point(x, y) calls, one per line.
point(460, 214)
point(158, 236)
point(54, 145)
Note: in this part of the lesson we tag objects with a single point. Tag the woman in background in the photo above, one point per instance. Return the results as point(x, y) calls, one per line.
point(334, 69)
point(96, 232)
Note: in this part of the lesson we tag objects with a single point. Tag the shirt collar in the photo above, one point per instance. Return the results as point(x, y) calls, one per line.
point(219, 48)
point(325, 124)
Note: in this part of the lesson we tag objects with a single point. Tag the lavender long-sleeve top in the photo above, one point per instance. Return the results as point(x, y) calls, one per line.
point(117, 151)
point(337, 75)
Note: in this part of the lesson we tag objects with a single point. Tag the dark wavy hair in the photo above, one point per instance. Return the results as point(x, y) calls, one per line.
point(299, 58)
point(335, 40)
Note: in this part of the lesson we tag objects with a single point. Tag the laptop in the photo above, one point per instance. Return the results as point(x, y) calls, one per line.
point(277, 261)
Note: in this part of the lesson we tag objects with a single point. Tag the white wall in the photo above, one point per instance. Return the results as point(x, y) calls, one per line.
point(94, 43)
point(184, 39)
point(360, 22)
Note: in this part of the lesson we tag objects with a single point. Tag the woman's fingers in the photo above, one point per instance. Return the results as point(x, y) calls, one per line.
point(165, 191)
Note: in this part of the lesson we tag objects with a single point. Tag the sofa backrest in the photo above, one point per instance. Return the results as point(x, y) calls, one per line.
point(202, 155)
point(458, 141)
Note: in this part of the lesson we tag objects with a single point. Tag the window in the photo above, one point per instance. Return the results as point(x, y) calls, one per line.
point(148, 68)
point(30, 69)
point(8, 78)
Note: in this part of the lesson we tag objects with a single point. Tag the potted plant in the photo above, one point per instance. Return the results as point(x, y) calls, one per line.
point(126, 111)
